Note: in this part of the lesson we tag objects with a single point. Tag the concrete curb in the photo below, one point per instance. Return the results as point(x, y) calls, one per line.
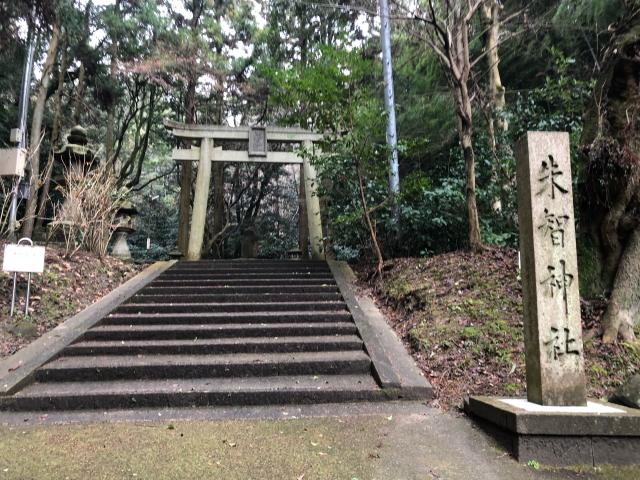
point(394, 367)
point(16, 370)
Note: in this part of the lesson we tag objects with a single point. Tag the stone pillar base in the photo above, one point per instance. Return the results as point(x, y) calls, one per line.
point(599, 433)
point(120, 246)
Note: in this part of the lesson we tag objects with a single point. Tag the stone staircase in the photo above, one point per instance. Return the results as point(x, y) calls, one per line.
point(215, 333)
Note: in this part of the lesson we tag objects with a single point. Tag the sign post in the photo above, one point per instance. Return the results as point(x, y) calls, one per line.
point(23, 257)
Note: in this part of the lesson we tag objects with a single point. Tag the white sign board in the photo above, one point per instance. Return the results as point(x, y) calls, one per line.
point(23, 258)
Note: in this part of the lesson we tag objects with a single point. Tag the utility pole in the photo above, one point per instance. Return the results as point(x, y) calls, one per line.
point(389, 103)
point(23, 107)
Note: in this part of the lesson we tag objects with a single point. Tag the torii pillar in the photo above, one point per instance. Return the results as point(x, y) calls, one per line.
point(313, 205)
point(200, 197)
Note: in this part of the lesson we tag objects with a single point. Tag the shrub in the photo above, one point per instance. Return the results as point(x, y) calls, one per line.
point(87, 217)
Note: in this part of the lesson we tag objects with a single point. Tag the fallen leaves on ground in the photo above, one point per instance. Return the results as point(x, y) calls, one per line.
point(66, 287)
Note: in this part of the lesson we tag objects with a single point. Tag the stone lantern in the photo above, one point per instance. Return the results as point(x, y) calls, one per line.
point(75, 153)
point(248, 243)
point(124, 217)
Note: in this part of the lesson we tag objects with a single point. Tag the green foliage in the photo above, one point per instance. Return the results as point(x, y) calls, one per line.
point(432, 204)
point(424, 108)
point(432, 216)
point(314, 93)
point(511, 388)
point(157, 216)
point(277, 227)
point(157, 220)
point(557, 105)
point(318, 68)
point(593, 13)
point(336, 169)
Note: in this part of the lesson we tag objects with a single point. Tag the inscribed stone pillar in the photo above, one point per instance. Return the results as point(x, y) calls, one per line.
point(313, 206)
point(552, 327)
point(199, 211)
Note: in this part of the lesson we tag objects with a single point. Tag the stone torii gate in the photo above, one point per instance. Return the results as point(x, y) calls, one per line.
point(257, 152)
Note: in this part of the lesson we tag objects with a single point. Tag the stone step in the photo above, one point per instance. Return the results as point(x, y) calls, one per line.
point(232, 289)
point(201, 392)
point(218, 269)
point(169, 275)
point(249, 282)
point(207, 318)
point(214, 333)
point(244, 262)
point(109, 367)
point(185, 297)
point(228, 307)
point(229, 330)
point(214, 346)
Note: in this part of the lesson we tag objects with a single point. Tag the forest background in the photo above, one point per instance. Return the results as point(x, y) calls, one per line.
point(470, 79)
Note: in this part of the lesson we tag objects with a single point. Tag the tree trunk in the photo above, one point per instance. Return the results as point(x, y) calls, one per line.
point(490, 15)
point(473, 221)
point(490, 12)
point(184, 205)
point(218, 203)
point(303, 226)
point(367, 217)
point(449, 39)
point(611, 188)
point(79, 93)
point(623, 311)
point(55, 128)
point(218, 189)
point(77, 102)
point(465, 133)
point(36, 129)
point(110, 137)
point(611, 240)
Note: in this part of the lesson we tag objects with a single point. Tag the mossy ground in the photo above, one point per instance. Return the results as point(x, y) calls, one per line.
point(461, 316)
point(391, 446)
point(181, 450)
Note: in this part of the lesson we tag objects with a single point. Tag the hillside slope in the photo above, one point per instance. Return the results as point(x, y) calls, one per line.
point(460, 314)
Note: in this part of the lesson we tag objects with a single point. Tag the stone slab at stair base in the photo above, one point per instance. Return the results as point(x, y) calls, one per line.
point(18, 369)
point(561, 437)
